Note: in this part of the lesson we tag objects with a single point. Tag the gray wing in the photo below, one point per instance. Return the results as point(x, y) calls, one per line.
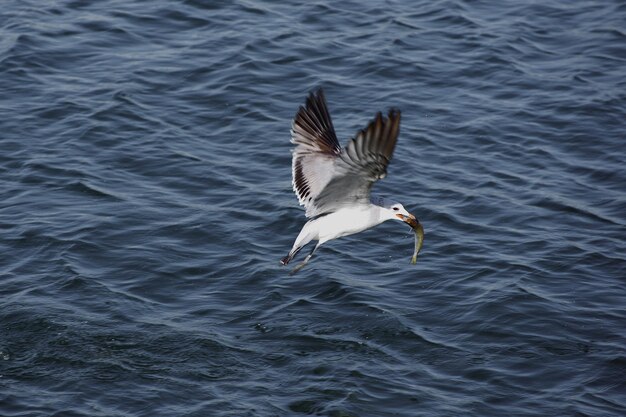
point(317, 148)
point(363, 162)
point(326, 177)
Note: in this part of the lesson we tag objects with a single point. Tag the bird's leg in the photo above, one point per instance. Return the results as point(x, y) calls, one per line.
point(302, 240)
point(290, 256)
point(306, 260)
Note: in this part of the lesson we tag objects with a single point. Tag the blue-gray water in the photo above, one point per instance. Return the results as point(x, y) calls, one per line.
point(146, 201)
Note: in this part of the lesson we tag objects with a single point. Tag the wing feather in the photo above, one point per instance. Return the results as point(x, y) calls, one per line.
point(356, 172)
point(316, 149)
point(327, 177)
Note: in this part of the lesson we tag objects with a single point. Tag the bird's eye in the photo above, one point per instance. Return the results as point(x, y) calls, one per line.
point(396, 209)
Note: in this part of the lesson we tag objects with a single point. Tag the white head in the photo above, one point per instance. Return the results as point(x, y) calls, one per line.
point(391, 210)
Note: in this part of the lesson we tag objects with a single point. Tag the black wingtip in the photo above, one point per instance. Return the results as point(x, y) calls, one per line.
point(319, 91)
point(394, 112)
point(316, 95)
point(313, 127)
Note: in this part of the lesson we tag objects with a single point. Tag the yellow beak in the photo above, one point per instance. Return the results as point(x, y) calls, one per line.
point(410, 219)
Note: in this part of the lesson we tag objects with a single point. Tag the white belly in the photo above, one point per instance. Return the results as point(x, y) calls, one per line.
point(345, 222)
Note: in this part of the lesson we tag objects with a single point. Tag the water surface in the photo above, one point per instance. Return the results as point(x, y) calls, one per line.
point(146, 201)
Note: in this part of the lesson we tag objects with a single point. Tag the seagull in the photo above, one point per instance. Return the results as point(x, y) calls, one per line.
point(333, 183)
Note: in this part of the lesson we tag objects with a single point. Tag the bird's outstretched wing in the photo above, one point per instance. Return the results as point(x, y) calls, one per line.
point(316, 149)
point(327, 177)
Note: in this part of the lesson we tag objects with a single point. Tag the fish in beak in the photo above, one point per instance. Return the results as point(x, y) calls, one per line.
point(418, 229)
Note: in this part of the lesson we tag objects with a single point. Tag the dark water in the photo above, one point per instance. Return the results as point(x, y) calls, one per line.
point(146, 201)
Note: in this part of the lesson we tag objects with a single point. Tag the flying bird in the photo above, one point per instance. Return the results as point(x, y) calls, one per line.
point(334, 183)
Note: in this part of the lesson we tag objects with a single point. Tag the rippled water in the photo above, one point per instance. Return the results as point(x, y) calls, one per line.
point(146, 202)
